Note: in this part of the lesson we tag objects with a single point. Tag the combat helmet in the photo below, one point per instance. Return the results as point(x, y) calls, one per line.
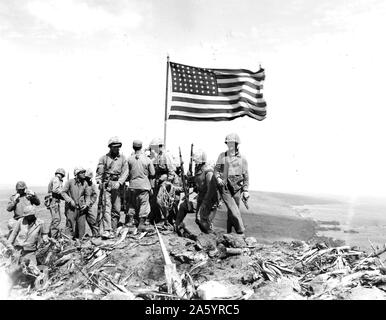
point(232, 137)
point(199, 156)
point(78, 170)
point(21, 185)
point(157, 142)
point(60, 171)
point(114, 141)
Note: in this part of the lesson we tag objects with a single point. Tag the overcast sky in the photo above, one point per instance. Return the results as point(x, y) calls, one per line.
point(75, 73)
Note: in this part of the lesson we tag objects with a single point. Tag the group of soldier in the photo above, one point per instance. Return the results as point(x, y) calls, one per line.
point(149, 187)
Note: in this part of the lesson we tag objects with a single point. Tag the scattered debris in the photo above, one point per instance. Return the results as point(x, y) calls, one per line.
point(160, 265)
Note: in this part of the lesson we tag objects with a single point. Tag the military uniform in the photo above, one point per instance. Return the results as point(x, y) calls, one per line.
point(205, 186)
point(141, 169)
point(77, 196)
point(232, 170)
point(164, 171)
point(18, 202)
point(111, 169)
point(55, 188)
point(26, 235)
point(91, 215)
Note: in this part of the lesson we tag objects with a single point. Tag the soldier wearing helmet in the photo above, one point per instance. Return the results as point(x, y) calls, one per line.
point(52, 200)
point(205, 186)
point(91, 215)
point(141, 172)
point(231, 173)
point(18, 201)
point(26, 235)
point(77, 201)
point(164, 171)
point(111, 174)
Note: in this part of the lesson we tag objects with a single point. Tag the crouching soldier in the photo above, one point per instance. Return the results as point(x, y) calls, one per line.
point(52, 200)
point(91, 215)
point(231, 172)
point(77, 196)
point(205, 186)
point(168, 195)
point(141, 171)
point(26, 235)
point(22, 198)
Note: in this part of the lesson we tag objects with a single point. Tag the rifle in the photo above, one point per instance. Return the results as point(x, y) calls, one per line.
point(190, 178)
point(191, 160)
point(245, 201)
point(102, 198)
point(184, 184)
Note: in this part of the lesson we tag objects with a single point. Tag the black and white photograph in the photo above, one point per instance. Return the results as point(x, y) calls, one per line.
point(192, 153)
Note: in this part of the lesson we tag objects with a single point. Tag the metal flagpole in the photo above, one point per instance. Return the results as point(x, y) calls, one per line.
point(166, 99)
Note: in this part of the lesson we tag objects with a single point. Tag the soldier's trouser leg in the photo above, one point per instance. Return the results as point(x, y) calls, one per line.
point(211, 217)
point(71, 222)
point(155, 213)
point(207, 215)
point(11, 225)
point(55, 219)
point(181, 214)
point(91, 220)
point(106, 221)
point(143, 203)
point(234, 216)
point(116, 208)
point(81, 224)
point(131, 205)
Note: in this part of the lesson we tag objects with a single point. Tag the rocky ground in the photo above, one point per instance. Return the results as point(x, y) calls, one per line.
point(279, 258)
point(215, 266)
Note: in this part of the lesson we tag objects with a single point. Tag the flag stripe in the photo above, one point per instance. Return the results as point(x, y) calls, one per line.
point(219, 117)
point(232, 71)
point(234, 84)
point(193, 101)
point(248, 90)
point(218, 110)
point(241, 92)
point(239, 80)
point(225, 97)
point(205, 106)
point(232, 76)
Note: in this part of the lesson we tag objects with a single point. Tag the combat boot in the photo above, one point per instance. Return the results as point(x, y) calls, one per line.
point(130, 223)
point(144, 225)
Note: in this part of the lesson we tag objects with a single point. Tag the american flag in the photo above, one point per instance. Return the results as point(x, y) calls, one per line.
point(201, 94)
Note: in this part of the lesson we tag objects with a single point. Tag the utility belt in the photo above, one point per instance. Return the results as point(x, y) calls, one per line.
point(52, 198)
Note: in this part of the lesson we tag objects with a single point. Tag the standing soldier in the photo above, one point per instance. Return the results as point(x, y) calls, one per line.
point(111, 174)
point(77, 196)
point(91, 216)
point(52, 200)
point(164, 170)
point(205, 186)
point(141, 170)
point(231, 172)
point(22, 198)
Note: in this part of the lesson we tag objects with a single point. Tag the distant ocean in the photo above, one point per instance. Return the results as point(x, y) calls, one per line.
point(356, 221)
